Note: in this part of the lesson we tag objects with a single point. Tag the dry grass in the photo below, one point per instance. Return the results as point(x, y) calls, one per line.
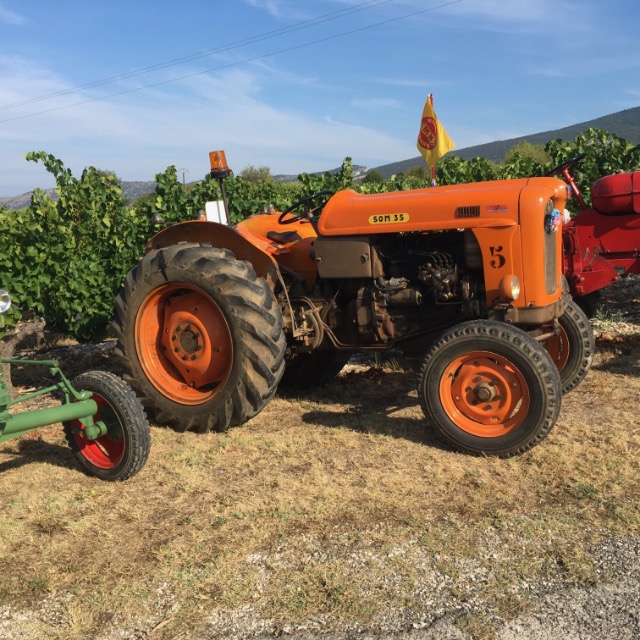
point(332, 509)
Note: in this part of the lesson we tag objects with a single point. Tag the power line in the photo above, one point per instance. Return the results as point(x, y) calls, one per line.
point(239, 62)
point(305, 24)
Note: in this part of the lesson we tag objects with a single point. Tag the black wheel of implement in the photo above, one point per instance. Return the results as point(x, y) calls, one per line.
point(201, 337)
point(572, 350)
point(123, 450)
point(489, 388)
point(310, 370)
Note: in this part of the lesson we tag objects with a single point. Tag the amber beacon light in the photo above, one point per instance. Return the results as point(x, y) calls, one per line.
point(219, 171)
point(219, 166)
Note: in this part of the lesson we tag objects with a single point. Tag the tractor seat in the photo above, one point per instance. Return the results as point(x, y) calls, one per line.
point(284, 237)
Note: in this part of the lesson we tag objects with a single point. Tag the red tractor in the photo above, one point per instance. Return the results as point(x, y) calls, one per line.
point(602, 242)
point(468, 277)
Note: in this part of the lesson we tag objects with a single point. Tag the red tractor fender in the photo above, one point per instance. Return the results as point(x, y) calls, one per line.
point(598, 248)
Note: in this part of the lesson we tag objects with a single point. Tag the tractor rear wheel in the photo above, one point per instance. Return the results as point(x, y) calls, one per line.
point(572, 350)
point(201, 337)
point(489, 388)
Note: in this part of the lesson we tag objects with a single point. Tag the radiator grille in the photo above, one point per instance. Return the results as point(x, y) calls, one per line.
point(550, 256)
point(472, 211)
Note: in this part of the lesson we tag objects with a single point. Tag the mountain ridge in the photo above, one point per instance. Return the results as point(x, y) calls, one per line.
point(625, 124)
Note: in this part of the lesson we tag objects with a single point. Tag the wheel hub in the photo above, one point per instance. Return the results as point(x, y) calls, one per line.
point(187, 342)
point(485, 392)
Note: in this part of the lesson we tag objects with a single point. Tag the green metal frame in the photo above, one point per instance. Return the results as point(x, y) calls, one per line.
point(77, 405)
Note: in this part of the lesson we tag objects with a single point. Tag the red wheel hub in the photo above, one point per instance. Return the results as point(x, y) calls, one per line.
point(106, 451)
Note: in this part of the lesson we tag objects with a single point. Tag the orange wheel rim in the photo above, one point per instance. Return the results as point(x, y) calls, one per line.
point(484, 394)
point(558, 348)
point(183, 343)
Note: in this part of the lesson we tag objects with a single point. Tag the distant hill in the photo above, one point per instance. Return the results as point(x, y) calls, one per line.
point(130, 190)
point(134, 190)
point(359, 171)
point(625, 124)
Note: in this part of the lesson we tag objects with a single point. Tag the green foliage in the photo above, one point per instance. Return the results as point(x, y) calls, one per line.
point(256, 174)
point(606, 153)
point(66, 259)
point(535, 152)
point(341, 179)
point(373, 177)
point(455, 170)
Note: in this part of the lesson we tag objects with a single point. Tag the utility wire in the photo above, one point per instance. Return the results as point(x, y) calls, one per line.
point(239, 62)
point(298, 26)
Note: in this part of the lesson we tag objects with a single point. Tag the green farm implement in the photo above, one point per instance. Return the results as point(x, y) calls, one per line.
point(103, 421)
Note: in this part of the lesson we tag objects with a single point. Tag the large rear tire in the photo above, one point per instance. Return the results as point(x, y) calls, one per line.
point(489, 388)
point(572, 350)
point(201, 337)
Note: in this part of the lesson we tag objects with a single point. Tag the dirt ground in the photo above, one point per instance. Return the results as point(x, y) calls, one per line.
point(334, 516)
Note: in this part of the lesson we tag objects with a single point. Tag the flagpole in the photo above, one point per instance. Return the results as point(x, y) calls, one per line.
point(433, 166)
point(433, 141)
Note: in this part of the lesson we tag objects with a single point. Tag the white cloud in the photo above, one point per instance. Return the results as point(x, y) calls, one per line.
point(403, 82)
point(10, 17)
point(141, 134)
point(576, 65)
point(274, 7)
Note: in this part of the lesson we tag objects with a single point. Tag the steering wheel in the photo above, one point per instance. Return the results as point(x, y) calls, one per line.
point(565, 165)
point(309, 212)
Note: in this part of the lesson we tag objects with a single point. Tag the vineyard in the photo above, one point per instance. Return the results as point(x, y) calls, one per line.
point(66, 259)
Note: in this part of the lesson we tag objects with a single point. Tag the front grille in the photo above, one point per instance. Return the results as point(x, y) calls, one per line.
point(550, 255)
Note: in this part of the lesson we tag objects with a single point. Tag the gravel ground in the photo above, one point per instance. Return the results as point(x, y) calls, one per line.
point(607, 607)
point(610, 608)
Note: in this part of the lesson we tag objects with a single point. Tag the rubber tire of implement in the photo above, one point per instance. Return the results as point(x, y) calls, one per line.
point(310, 370)
point(124, 450)
point(580, 342)
point(497, 352)
point(244, 305)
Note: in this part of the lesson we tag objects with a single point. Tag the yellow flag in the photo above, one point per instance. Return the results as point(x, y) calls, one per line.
point(433, 140)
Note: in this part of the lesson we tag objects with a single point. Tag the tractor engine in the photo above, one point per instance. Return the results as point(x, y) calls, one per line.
point(416, 283)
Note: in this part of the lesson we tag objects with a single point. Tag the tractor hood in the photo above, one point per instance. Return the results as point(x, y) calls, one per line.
point(475, 205)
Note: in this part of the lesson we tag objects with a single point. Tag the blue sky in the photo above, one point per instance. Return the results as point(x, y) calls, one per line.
point(296, 85)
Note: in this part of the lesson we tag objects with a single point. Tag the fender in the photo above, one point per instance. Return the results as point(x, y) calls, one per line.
point(222, 237)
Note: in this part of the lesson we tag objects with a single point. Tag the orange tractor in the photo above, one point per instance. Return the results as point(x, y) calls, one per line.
point(213, 318)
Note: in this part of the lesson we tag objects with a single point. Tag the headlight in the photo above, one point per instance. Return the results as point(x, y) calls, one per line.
point(5, 301)
point(510, 287)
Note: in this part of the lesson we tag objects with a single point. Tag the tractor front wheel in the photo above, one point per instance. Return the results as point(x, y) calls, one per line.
point(201, 337)
point(489, 388)
point(123, 450)
point(572, 350)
